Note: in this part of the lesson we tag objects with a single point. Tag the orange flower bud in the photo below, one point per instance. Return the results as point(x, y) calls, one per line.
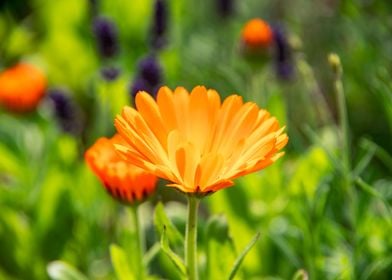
point(124, 181)
point(257, 34)
point(21, 87)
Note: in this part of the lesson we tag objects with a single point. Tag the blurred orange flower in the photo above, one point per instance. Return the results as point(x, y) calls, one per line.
point(124, 181)
point(197, 142)
point(21, 87)
point(257, 34)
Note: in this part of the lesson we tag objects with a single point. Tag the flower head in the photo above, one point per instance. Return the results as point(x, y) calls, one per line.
point(283, 61)
point(124, 181)
point(149, 77)
point(150, 70)
point(110, 73)
point(159, 25)
point(257, 34)
point(196, 141)
point(67, 113)
point(21, 87)
point(139, 84)
point(106, 34)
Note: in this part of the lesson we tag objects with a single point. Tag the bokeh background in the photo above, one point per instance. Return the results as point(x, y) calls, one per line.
point(52, 207)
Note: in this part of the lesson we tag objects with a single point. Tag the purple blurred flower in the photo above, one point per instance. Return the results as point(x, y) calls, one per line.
point(66, 111)
point(225, 8)
point(283, 60)
point(150, 70)
point(148, 78)
point(106, 34)
point(285, 70)
point(139, 84)
point(159, 25)
point(110, 73)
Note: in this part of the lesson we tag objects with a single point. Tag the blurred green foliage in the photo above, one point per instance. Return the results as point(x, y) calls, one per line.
point(56, 222)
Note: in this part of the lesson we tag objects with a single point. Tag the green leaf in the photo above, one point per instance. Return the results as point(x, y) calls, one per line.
point(365, 160)
point(161, 221)
point(220, 248)
point(368, 188)
point(217, 228)
point(381, 264)
point(286, 248)
point(315, 138)
point(15, 239)
point(151, 254)
point(67, 149)
point(373, 192)
point(54, 213)
point(303, 181)
point(120, 263)
point(243, 254)
point(59, 270)
point(9, 162)
point(301, 275)
point(178, 262)
point(381, 153)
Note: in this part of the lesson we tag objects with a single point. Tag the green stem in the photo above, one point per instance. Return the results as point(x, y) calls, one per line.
point(343, 117)
point(314, 95)
point(191, 238)
point(256, 83)
point(139, 246)
point(334, 61)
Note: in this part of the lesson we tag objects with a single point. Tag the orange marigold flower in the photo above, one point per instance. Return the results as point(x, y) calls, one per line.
point(124, 181)
point(21, 87)
point(257, 33)
point(197, 142)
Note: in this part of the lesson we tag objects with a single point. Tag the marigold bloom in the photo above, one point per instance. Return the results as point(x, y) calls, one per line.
point(197, 142)
point(257, 34)
point(124, 181)
point(21, 87)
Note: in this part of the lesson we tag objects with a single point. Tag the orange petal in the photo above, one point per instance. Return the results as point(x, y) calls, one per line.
point(166, 107)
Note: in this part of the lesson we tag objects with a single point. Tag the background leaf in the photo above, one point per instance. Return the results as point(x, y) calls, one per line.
point(59, 270)
point(120, 263)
